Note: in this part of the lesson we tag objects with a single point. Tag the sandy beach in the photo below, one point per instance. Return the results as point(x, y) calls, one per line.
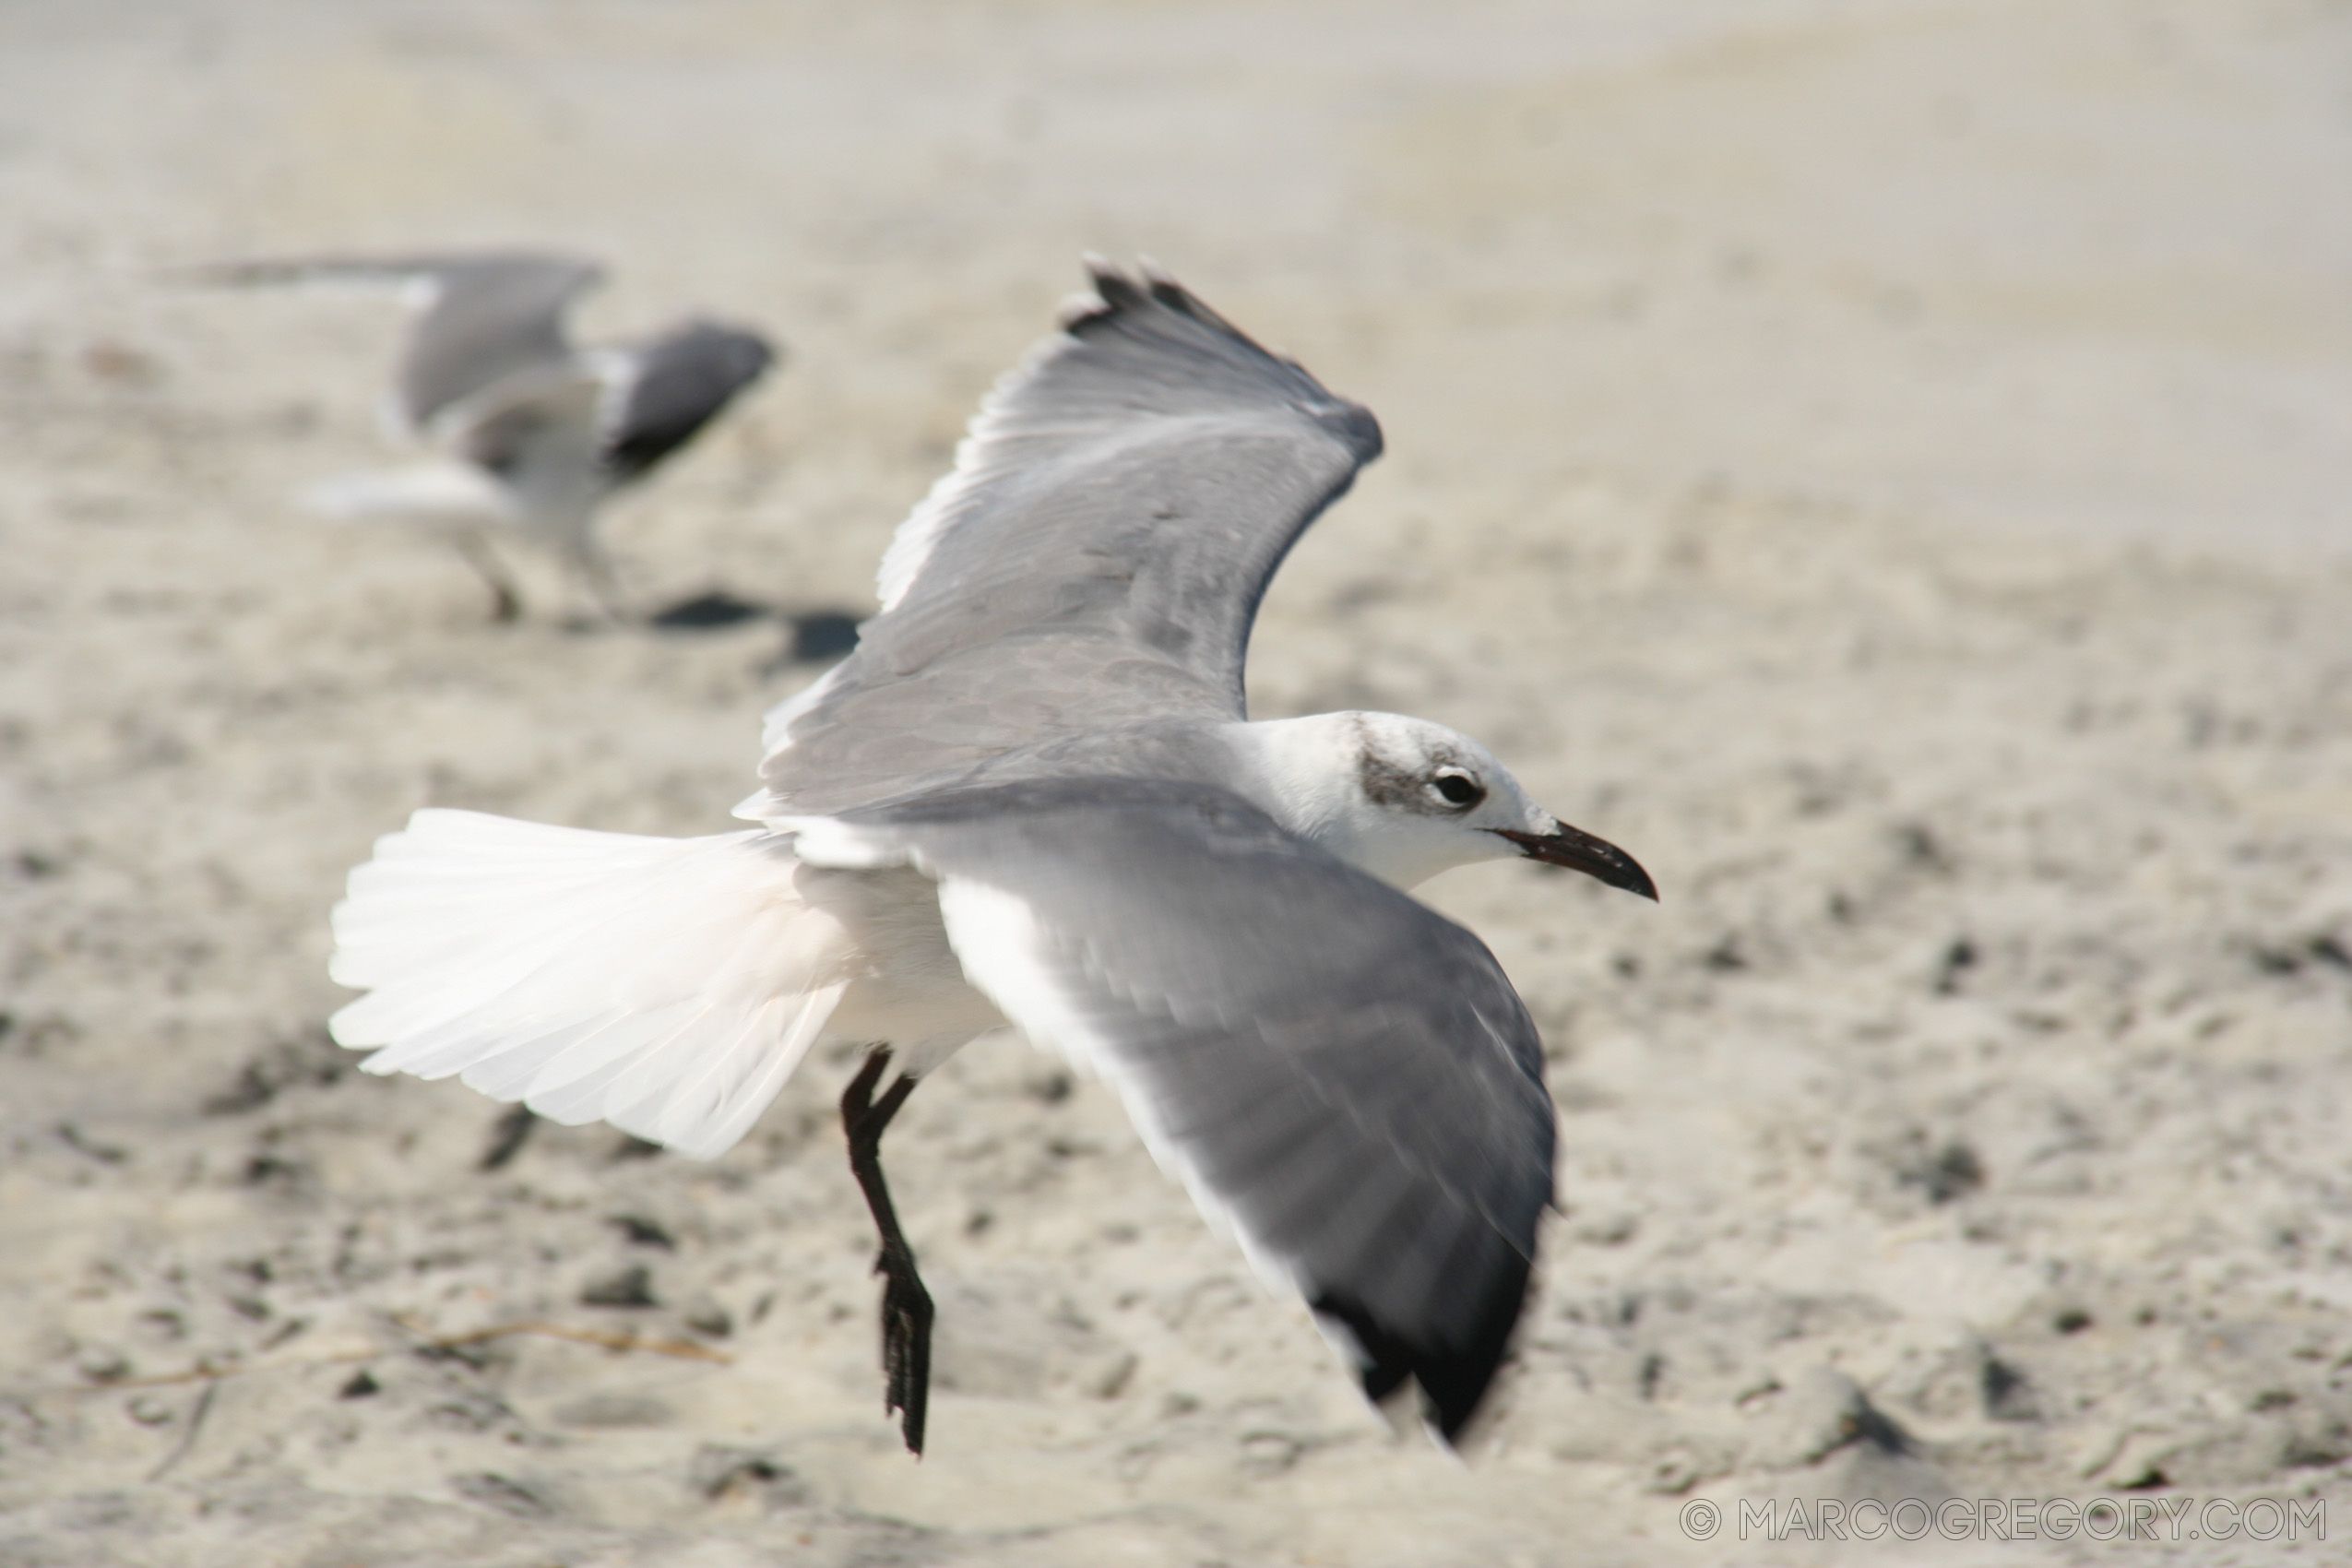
point(1885, 465)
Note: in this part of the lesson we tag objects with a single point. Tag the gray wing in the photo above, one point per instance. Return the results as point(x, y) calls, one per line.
point(1094, 559)
point(672, 385)
point(1346, 1076)
point(483, 315)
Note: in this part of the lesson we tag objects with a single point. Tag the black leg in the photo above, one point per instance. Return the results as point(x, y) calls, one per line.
point(906, 1305)
point(506, 603)
point(602, 587)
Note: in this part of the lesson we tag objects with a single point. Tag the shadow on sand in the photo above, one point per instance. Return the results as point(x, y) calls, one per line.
point(815, 636)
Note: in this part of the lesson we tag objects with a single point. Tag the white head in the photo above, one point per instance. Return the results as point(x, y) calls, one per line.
point(1405, 799)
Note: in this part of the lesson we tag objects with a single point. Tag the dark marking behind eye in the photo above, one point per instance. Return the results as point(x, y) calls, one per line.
point(1384, 781)
point(1390, 783)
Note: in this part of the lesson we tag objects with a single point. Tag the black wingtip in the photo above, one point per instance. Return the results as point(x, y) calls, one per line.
point(1117, 292)
point(1121, 295)
point(1114, 290)
point(1454, 1379)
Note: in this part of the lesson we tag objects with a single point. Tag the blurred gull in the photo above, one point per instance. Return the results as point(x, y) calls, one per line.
point(531, 434)
point(1031, 796)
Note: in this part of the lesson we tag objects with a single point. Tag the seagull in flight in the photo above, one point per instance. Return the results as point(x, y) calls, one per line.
point(528, 434)
point(1033, 796)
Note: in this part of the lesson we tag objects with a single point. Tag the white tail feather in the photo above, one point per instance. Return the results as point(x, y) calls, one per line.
point(452, 494)
point(668, 986)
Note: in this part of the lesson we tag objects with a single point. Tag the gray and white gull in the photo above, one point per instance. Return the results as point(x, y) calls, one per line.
point(530, 435)
point(1032, 797)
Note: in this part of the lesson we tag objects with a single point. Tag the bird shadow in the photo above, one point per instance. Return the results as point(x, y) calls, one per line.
point(813, 636)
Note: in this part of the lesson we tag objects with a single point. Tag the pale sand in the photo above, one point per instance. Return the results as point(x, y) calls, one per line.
point(1885, 465)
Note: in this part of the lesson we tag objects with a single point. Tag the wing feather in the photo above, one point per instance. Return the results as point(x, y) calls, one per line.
point(482, 315)
point(1313, 1053)
point(1095, 558)
point(671, 386)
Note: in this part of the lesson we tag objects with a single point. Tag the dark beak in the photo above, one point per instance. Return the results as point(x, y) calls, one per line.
point(1579, 850)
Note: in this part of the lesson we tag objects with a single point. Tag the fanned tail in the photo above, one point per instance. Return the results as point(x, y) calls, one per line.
point(668, 986)
point(446, 494)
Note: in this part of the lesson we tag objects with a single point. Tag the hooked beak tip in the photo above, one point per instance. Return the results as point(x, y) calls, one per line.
point(1578, 850)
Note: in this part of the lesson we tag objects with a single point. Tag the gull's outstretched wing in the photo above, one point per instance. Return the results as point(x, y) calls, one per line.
point(666, 389)
point(480, 316)
point(1343, 1076)
point(1094, 560)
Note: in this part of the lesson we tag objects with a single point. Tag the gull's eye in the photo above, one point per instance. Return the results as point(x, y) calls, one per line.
point(1457, 789)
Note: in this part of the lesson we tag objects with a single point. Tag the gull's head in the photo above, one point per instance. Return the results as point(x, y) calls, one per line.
point(1405, 799)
